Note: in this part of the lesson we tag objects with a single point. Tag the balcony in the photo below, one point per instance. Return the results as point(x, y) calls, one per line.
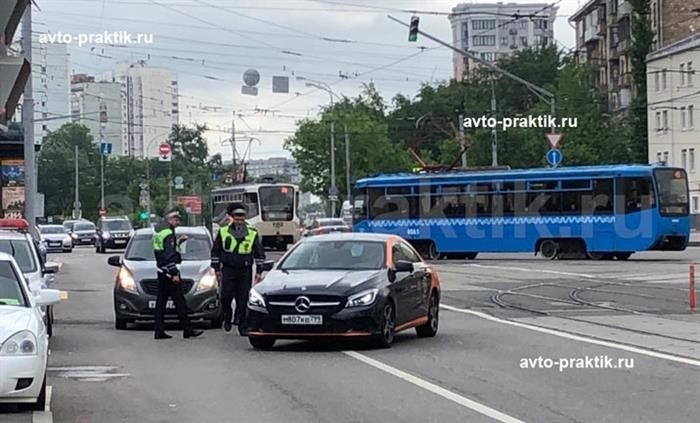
point(590, 34)
point(626, 81)
point(624, 8)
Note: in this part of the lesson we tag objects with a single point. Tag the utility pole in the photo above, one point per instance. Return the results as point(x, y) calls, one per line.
point(170, 182)
point(462, 141)
point(76, 205)
point(332, 159)
point(28, 124)
point(103, 123)
point(494, 133)
point(233, 140)
point(347, 167)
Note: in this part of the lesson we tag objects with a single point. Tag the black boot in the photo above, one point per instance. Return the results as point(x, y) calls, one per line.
point(162, 335)
point(193, 333)
point(227, 325)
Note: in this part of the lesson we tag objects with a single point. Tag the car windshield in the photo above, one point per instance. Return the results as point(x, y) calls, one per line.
point(83, 227)
point(11, 292)
point(53, 230)
point(197, 247)
point(116, 225)
point(335, 255)
point(332, 222)
point(22, 251)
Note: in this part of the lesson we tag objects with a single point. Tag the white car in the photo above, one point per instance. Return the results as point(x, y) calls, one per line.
point(56, 238)
point(24, 341)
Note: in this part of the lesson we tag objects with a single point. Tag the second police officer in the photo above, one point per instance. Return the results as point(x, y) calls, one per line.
point(236, 249)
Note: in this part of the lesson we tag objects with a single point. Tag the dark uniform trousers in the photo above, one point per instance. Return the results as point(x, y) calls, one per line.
point(168, 289)
point(236, 284)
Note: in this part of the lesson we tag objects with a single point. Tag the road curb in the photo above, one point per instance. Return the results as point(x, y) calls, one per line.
point(42, 417)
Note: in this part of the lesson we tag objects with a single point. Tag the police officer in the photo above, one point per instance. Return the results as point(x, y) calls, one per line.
point(166, 246)
point(236, 248)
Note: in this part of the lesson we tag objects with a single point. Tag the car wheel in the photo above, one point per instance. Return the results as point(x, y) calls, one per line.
point(622, 256)
point(40, 404)
point(431, 327)
point(261, 342)
point(121, 324)
point(387, 325)
point(470, 256)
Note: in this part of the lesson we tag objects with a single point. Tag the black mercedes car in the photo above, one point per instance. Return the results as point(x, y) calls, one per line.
point(113, 233)
point(345, 285)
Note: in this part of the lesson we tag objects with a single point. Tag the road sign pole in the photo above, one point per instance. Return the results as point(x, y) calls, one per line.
point(102, 181)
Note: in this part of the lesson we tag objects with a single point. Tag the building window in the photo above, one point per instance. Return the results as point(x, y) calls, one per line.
point(484, 24)
point(538, 40)
point(666, 156)
point(691, 159)
point(663, 79)
point(656, 82)
point(484, 40)
point(682, 72)
point(691, 109)
point(664, 115)
point(690, 70)
point(658, 122)
point(523, 41)
point(683, 120)
point(658, 156)
point(695, 204)
point(684, 158)
point(504, 41)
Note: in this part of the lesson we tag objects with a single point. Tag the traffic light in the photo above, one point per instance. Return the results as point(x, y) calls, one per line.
point(413, 29)
point(143, 215)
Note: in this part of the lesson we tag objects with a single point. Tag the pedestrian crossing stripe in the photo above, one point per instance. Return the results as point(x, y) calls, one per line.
point(536, 220)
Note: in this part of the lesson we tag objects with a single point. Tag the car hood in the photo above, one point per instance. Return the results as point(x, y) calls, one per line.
point(191, 269)
point(315, 281)
point(14, 319)
point(85, 232)
point(54, 237)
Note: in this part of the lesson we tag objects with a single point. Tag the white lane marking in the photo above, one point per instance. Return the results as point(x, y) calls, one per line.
point(42, 417)
point(435, 389)
point(525, 269)
point(88, 373)
point(609, 344)
point(49, 393)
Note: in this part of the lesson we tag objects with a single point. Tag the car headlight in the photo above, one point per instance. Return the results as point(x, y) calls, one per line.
point(66, 239)
point(363, 298)
point(207, 282)
point(131, 233)
point(255, 299)
point(105, 235)
point(125, 280)
point(21, 343)
point(74, 236)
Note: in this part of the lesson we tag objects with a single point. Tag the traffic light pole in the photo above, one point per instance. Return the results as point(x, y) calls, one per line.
point(537, 89)
point(28, 124)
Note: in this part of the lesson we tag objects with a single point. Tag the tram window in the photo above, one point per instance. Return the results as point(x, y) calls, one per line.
point(601, 201)
point(572, 202)
point(634, 194)
point(398, 190)
point(543, 185)
point(541, 203)
point(576, 184)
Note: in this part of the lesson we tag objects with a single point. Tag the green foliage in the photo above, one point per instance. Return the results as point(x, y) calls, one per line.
point(122, 175)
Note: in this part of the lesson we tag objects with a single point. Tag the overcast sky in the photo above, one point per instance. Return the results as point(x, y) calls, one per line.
point(210, 43)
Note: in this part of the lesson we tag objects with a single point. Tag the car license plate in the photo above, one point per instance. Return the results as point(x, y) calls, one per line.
point(119, 241)
point(169, 305)
point(297, 319)
point(55, 244)
point(86, 239)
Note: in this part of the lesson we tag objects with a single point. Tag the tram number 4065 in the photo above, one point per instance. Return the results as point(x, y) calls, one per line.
point(277, 224)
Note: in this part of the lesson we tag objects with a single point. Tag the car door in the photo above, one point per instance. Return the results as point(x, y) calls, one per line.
point(403, 288)
point(419, 294)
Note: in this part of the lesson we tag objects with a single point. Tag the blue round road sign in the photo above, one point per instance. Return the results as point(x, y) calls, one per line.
point(554, 157)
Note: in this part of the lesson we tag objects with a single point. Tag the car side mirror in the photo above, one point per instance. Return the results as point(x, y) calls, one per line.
point(50, 267)
point(115, 261)
point(403, 266)
point(268, 265)
point(47, 297)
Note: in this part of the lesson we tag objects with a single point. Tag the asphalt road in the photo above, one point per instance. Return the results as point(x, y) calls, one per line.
point(503, 313)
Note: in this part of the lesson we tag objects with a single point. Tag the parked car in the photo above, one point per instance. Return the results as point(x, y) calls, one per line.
point(345, 285)
point(18, 242)
point(327, 226)
point(113, 233)
point(56, 238)
point(136, 284)
point(83, 233)
point(24, 338)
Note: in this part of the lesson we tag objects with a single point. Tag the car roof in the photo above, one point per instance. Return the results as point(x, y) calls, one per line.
point(194, 230)
point(12, 234)
point(50, 225)
point(352, 236)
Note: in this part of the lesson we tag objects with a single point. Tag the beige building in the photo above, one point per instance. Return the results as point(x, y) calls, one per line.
point(98, 105)
point(603, 39)
point(673, 95)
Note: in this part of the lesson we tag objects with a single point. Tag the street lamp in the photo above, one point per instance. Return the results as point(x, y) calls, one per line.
point(148, 173)
point(327, 88)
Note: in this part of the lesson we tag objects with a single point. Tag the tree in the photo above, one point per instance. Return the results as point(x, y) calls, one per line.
point(371, 150)
point(189, 143)
point(642, 37)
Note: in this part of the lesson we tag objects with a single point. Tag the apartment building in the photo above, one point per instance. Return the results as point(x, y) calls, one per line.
point(98, 105)
point(50, 87)
point(493, 30)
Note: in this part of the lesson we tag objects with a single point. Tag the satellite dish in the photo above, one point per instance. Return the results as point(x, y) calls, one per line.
point(251, 77)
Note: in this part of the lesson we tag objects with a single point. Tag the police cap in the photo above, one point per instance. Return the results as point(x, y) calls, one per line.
point(236, 208)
